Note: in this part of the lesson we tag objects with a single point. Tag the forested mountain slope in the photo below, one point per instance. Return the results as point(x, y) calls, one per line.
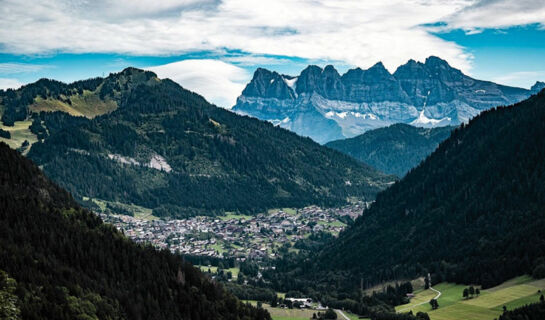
point(166, 148)
point(67, 264)
point(473, 212)
point(395, 149)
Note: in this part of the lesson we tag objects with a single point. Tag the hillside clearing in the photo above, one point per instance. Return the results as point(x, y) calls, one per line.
point(19, 133)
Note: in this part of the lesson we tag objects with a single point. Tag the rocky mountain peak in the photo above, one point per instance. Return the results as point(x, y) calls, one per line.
point(440, 68)
point(410, 70)
point(434, 61)
point(538, 86)
point(330, 70)
point(430, 93)
point(378, 72)
point(326, 82)
point(268, 84)
point(353, 75)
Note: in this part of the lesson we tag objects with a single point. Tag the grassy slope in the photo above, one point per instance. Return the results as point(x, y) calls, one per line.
point(19, 133)
point(87, 104)
point(489, 305)
point(138, 211)
point(288, 314)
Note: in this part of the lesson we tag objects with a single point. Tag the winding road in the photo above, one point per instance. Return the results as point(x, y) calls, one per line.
point(419, 304)
point(342, 314)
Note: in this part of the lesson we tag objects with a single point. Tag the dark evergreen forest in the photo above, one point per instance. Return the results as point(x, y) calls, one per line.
point(60, 261)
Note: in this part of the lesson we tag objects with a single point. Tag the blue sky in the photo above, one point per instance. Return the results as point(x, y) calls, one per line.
point(213, 47)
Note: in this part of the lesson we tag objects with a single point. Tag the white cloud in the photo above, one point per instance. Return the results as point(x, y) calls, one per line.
point(7, 83)
point(219, 82)
point(352, 31)
point(14, 68)
point(521, 78)
point(252, 60)
point(497, 14)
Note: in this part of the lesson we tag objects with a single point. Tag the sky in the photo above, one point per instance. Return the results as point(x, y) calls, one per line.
point(213, 47)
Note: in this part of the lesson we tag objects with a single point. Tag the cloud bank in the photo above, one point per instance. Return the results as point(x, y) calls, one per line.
point(355, 32)
point(351, 32)
point(497, 14)
point(8, 83)
point(220, 82)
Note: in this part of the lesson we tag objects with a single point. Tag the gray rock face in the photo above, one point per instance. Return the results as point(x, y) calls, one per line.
point(324, 105)
point(268, 84)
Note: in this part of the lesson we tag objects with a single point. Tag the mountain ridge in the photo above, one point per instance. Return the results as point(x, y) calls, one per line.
point(395, 149)
point(425, 94)
point(164, 146)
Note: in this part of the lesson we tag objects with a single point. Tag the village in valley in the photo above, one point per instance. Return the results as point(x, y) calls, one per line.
point(236, 236)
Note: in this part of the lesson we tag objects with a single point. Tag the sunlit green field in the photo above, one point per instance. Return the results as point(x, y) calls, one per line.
point(19, 133)
point(233, 216)
point(138, 211)
point(489, 305)
point(87, 104)
point(289, 211)
point(297, 314)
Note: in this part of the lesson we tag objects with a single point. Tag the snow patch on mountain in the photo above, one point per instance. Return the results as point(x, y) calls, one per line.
point(423, 121)
point(292, 83)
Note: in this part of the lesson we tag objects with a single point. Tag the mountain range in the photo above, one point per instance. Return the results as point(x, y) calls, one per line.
point(324, 105)
point(395, 149)
point(147, 141)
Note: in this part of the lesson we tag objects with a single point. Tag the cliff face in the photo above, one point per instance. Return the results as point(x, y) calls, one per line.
point(324, 105)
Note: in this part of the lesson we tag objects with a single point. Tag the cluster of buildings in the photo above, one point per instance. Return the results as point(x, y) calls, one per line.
point(237, 236)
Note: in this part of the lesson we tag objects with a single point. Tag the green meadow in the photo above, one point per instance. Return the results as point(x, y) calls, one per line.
point(489, 304)
point(19, 133)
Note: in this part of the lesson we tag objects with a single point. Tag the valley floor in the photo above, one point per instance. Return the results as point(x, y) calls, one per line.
point(488, 305)
point(231, 235)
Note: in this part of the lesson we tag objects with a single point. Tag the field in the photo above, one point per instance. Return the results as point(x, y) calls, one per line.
point(335, 223)
point(213, 270)
point(289, 211)
point(289, 314)
point(138, 211)
point(88, 104)
point(297, 314)
point(19, 133)
point(489, 305)
point(233, 216)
